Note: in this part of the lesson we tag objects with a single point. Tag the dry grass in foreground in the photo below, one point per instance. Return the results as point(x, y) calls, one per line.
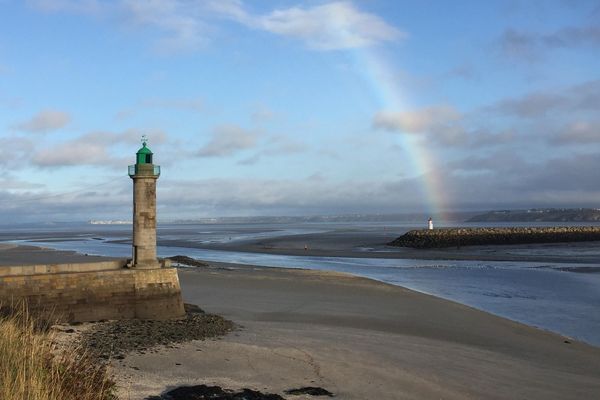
point(31, 370)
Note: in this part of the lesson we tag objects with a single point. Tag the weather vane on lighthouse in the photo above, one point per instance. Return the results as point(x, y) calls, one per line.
point(144, 139)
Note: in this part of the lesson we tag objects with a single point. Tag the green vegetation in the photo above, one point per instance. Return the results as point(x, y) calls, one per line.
point(32, 368)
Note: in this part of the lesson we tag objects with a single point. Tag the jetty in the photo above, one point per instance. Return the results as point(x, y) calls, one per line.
point(457, 237)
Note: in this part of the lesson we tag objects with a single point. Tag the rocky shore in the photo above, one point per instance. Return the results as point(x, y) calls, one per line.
point(457, 237)
point(114, 339)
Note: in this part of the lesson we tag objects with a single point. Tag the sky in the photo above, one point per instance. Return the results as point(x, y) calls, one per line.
point(298, 107)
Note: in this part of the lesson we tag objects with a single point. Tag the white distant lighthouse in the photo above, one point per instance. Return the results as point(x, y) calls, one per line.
point(144, 174)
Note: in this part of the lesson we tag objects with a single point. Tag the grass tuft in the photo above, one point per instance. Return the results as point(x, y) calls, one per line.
point(32, 369)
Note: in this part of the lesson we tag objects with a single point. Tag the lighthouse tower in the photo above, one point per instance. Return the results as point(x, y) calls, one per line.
point(144, 175)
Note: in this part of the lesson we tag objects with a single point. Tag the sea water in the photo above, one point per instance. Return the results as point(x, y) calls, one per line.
point(560, 297)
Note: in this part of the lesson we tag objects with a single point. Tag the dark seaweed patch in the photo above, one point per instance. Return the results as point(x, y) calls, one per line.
point(202, 392)
point(312, 391)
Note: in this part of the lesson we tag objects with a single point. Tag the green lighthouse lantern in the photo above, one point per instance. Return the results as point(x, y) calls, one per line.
point(144, 155)
point(143, 162)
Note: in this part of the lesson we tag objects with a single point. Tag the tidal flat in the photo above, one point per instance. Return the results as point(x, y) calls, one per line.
point(357, 337)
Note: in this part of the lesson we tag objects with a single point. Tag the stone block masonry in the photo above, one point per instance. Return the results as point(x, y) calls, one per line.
point(94, 291)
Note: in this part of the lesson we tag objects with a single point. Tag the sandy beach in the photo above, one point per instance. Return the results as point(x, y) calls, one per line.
point(357, 338)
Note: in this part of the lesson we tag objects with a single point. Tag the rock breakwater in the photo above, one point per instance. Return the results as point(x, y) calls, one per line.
point(457, 237)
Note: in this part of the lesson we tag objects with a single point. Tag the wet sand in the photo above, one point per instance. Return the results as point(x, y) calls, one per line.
point(359, 339)
point(355, 337)
point(11, 254)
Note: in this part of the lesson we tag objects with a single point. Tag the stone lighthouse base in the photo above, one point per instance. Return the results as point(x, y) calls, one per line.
point(93, 291)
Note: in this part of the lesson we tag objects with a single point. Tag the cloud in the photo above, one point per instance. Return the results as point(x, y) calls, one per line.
point(530, 46)
point(565, 116)
point(181, 23)
point(483, 138)
point(189, 25)
point(572, 36)
point(416, 121)
point(227, 140)
point(572, 173)
point(440, 124)
point(284, 145)
point(45, 121)
point(518, 46)
point(74, 153)
point(89, 149)
point(500, 179)
point(282, 196)
point(531, 106)
point(581, 97)
point(276, 145)
point(14, 151)
point(503, 179)
point(105, 200)
point(231, 9)
point(250, 160)
point(94, 148)
point(262, 113)
point(500, 162)
point(183, 29)
point(214, 196)
point(579, 133)
point(11, 183)
point(332, 26)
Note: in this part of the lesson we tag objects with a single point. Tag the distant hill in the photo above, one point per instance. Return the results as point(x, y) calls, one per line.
point(386, 218)
point(540, 215)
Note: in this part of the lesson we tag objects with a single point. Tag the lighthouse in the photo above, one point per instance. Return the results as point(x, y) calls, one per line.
point(144, 174)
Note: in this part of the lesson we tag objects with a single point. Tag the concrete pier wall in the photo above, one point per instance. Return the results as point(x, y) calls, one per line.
point(94, 291)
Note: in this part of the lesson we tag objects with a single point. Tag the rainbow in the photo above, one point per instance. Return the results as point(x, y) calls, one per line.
point(379, 76)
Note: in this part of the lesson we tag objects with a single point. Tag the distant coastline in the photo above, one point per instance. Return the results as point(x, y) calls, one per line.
point(109, 222)
point(540, 215)
point(564, 215)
